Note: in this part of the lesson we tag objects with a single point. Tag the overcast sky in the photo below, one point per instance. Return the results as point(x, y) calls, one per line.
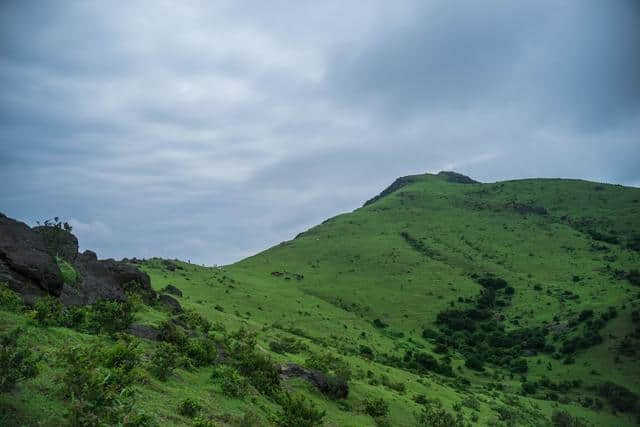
point(212, 130)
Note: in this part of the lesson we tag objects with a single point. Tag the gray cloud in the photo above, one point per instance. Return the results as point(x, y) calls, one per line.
point(211, 131)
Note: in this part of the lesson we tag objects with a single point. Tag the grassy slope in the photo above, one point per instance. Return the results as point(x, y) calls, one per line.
point(357, 267)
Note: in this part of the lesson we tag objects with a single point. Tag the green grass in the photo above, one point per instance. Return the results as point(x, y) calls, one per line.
point(69, 274)
point(334, 280)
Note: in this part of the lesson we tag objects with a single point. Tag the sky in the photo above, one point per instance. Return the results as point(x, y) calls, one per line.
point(211, 130)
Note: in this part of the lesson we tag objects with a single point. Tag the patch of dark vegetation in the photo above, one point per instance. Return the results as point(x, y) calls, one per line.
point(17, 362)
point(287, 275)
point(170, 289)
point(298, 412)
point(287, 345)
point(99, 384)
point(418, 245)
point(621, 398)
point(333, 387)
point(395, 186)
point(457, 178)
point(478, 332)
point(525, 208)
point(564, 419)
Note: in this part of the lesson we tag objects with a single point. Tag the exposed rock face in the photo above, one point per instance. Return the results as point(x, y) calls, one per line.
point(59, 242)
point(170, 289)
point(171, 303)
point(144, 331)
point(25, 264)
point(337, 387)
point(105, 279)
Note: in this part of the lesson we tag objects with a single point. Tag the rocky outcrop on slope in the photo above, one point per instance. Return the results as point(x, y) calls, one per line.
point(25, 264)
point(29, 267)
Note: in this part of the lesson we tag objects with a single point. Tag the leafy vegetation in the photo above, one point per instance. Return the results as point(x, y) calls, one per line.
point(441, 303)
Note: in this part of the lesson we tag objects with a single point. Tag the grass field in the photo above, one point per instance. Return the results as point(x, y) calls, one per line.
point(364, 286)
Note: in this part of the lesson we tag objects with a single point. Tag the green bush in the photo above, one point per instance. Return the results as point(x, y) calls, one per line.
point(376, 407)
point(330, 365)
point(9, 300)
point(201, 351)
point(618, 396)
point(99, 395)
point(189, 407)
point(69, 274)
point(297, 412)
point(438, 417)
point(16, 361)
point(564, 419)
point(164, 361)
point(231, 382)
point(173, 334)
point(49, 311)
point(260, 372)
point(203, 422)
point(110, 317)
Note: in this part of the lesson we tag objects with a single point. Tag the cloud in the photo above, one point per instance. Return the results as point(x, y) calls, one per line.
point(209, 131)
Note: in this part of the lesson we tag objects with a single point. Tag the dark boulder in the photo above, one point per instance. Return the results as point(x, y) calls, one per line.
point(25, 264)
point(106, 279)
point(144, 331)
point(59, 242)
point(170, 289)
point(171, 303)
point(336, 388)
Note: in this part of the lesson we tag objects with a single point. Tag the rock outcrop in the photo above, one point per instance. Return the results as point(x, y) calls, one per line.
point(105, 279)
point(25, 264)
point(29, 267)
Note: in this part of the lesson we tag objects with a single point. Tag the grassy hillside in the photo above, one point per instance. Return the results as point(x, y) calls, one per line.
point(498, 304)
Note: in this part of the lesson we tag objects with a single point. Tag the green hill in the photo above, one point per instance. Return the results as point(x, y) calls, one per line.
point(510, 303)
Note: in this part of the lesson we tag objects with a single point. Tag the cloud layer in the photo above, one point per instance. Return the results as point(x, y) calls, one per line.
point(211, 130)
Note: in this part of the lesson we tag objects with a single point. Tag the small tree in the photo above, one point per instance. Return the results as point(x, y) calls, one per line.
point(16, 361)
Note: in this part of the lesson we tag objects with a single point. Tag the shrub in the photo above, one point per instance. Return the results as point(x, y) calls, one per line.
point(231, 382)
point(330, 365)
point(99, 395)
point(438, 417)
point(201, 351)
point(9, 300)
point(123, 355)
point(173, 334)
point(189, 407)
point(49, 311)
point(366, 351)
point(474, 362)
point(529, 388)
point(297, 412)
point(618, 396)
point(16, 361)
point(376, 407)
point(194, 321)
point(260, 372)
point(203, 422)
point(287, 345)
point(109, 317)
point(379, 324)
point(164, 361)
point(564, 419)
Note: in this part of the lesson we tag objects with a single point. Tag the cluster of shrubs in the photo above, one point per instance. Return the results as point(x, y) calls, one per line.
point(477, 333)
point(104, 316)
point(590, 335)
point(286, 344)
point(99, 383)
point(17, 362)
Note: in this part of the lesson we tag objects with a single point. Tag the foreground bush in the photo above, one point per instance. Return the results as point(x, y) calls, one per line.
point(231, 382)
point(164, 361)
point(376, 407)
point(98, 382)
point(189, 407)
point(297, 412)
point(16, 361)
point(49, 311)
point(9, 300)
point(436, 416)
point(564, 419)
point(110, 317)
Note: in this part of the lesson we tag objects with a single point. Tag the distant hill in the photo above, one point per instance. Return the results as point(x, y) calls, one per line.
point(442, 301)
